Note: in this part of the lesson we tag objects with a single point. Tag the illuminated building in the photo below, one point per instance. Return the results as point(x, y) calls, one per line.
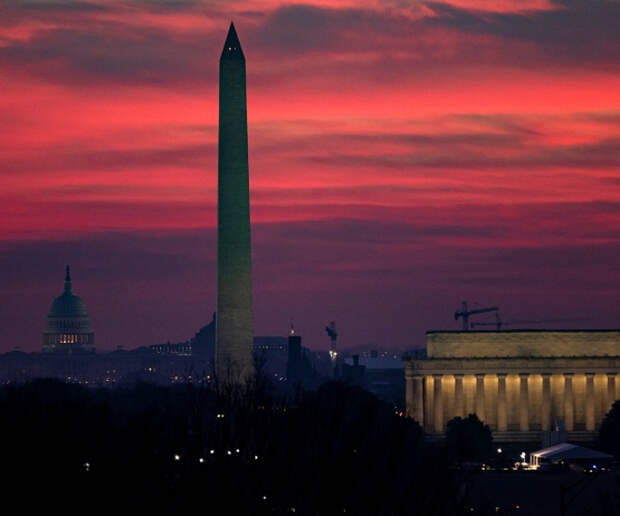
point(235, 319)
point(68, 326)
point(521, 383)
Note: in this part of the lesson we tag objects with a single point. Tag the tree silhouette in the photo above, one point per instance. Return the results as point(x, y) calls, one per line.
point(159, 449)
point(610, 430)
point(468, 439)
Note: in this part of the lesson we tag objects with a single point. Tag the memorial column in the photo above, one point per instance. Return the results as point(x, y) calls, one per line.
point(438, 403)
point(568, 402)
point(479, 402)
point(409, 401)
point(502, 421)
point(589, 402)
point(524, 413)
point(611, 390)
point(417, 409)
point(545, 417)
point(459, 400)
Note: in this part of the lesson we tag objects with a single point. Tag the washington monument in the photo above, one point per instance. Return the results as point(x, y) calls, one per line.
point(235, 318)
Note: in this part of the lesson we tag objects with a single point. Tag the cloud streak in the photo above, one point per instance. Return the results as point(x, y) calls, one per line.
point(403, 158)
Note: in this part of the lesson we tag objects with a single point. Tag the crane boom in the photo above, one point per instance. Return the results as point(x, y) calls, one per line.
point(498, 323)
point(465, 313)
point(483, 310)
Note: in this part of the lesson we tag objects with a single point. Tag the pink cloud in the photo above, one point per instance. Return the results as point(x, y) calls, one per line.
point(408, 157)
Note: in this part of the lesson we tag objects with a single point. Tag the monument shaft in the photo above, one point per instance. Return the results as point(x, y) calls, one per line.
point(235, 319)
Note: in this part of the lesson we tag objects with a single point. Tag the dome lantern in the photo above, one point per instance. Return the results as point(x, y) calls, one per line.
point(68, 280)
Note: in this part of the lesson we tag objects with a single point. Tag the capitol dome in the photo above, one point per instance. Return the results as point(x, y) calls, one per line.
point(68, 326)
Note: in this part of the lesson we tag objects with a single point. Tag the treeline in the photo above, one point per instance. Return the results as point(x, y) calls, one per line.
point(161, 449)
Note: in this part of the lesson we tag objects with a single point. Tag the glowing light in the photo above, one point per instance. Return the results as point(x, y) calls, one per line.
point(499, 450)
point(211, 452)
point(177, 457)
point(201, 460)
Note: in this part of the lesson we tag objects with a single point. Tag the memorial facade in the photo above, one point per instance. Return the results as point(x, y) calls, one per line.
point(520, 383)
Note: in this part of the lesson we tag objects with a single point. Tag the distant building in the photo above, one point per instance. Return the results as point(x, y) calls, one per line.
point(201, 346)
point(270, 344)
point(269, 351)
point(68, 328)
point(384, 376)
point(519, 382)
point(182, 349)
point(571, 455)
point(352, 371)
point(270, 355)
point(301, 368)
point(294, 361)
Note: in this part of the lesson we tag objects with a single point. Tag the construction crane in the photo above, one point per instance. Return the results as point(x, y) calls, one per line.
point(333, 335)
point(499, 323)
point(465, 314)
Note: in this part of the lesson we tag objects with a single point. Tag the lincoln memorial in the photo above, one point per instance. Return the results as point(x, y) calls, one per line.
point(520, 383)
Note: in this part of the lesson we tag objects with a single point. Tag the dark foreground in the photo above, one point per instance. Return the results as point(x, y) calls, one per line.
point(185, 449)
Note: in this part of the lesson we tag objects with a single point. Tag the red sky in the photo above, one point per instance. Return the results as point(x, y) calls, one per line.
point(404, 156)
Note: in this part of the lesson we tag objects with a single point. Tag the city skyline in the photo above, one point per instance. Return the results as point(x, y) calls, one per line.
point(404, 159)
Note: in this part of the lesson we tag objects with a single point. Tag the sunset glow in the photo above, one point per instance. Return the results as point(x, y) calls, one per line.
point(402, 159)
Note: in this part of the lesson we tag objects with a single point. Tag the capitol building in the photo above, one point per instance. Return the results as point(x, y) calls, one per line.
point(68, 328)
